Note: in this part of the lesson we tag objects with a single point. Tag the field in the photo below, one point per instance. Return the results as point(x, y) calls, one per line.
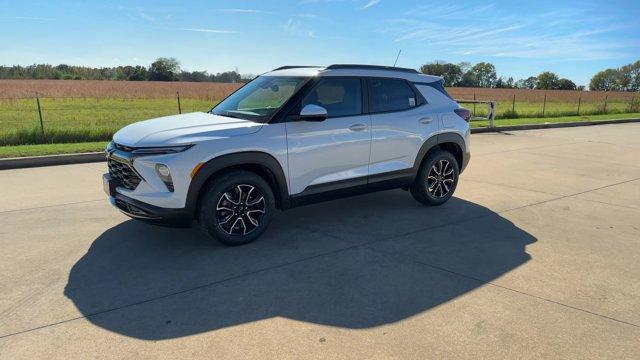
point(91, 111)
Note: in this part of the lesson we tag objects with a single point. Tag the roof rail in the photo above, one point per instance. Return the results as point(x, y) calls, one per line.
point(371, 67)
point(295, 67)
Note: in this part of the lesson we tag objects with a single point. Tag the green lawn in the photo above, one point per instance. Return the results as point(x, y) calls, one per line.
point(90, 119)
point(50, 149)
point(69, 148)
point(527, 121)
point(505, 109)
point(81, 120)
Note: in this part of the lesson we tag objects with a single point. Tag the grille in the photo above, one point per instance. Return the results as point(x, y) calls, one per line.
point(124, 174)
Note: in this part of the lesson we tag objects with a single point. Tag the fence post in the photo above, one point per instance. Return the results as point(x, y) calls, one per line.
point(492, 113)
point(179, 108)
point(474, 104)
point(513, 104)
point(40, 114)
point(579, 102)
point(544, 105)
point(606, 97)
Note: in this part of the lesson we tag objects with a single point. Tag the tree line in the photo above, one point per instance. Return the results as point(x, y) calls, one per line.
point(483, 74)
point(163, 69)
point(464, 74)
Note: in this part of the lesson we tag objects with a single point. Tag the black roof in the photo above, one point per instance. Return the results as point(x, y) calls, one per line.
point(353, 66)
point(295, 67)
point(372, 67)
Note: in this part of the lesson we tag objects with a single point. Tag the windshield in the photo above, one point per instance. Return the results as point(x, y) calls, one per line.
point(260, 99)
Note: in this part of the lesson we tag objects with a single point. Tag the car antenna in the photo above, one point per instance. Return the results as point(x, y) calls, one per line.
point(397, 57)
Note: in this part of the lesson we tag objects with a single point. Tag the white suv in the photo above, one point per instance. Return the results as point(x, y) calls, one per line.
point(293, 136)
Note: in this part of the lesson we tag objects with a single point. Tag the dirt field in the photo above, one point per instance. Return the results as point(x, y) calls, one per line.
point(216, 91)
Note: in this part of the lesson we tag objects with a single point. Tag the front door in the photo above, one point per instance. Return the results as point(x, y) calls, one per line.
point(333, 153)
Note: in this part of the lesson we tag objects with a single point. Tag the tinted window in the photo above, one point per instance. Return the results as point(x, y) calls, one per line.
point(259, 99)
point(341, 97)
point(391, 95)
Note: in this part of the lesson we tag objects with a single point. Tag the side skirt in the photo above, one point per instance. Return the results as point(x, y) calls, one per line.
point(353, 187)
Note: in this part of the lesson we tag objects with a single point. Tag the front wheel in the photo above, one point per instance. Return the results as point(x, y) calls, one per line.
point(437, 179)
point(236, 207)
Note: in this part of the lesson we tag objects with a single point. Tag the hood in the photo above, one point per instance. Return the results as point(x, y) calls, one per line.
point(183, 129)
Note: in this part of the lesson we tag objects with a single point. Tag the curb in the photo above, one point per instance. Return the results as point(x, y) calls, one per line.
point(51, 160)
point(551, 126)
point(66, 159)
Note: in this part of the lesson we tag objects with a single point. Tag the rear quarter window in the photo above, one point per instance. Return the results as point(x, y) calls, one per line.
point(391, 95)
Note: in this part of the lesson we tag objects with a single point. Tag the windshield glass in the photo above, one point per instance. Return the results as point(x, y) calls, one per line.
point(260, 99)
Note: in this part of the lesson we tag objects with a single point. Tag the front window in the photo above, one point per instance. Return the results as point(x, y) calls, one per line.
point(340, 97)
point(260, 99)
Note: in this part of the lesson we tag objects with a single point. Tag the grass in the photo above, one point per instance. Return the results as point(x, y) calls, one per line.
point(50, 149)
point(72, 120)
point(507, 110)
point(560, 119)
point(70, 148)
point(81, 120)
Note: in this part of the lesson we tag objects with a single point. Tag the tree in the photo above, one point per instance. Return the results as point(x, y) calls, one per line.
point(164, 69)
point(132, 73)
point(482, 75)
point(630, 77)
point(566, 84)
point(451, 73)
point(607, 80)
point(510, 84)
point(528, 83)
point(547, 81)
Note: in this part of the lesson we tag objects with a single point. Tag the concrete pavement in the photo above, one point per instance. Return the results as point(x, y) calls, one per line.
point(537, 256)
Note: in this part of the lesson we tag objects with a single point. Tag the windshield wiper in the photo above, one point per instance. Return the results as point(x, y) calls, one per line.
point(227, 114)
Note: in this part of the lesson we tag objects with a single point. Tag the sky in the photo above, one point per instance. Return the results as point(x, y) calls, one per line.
point(574, 39)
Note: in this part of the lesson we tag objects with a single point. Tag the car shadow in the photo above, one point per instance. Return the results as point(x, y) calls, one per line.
point(353, 263)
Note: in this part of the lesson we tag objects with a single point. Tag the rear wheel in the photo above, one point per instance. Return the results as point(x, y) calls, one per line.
point(237, 207)
point(437, 179)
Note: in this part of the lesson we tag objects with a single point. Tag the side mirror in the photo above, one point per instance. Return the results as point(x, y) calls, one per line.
point(312, 112)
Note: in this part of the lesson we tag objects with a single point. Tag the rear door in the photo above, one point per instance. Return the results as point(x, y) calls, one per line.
point(332, 153)
point(400, 122)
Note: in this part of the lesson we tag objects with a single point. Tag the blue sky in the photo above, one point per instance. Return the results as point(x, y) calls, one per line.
point(522, 38)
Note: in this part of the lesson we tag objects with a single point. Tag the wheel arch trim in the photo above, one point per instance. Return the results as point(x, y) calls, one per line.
point(434, 142)
point(246, 158)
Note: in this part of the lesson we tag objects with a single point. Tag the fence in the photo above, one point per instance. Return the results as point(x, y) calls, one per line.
point(491, 111)
point(48, 120)
point(522, 103)
point(37, 120)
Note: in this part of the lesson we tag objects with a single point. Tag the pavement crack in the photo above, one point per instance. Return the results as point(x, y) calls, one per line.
point(50, 206)
point(456, 273)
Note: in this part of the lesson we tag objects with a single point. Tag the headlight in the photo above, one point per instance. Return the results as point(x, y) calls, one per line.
point(165, 175)
point(160, 150)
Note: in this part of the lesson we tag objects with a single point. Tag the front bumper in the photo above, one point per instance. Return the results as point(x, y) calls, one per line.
point(142, 211)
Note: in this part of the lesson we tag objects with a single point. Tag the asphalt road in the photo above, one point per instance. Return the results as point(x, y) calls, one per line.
point(537, 256)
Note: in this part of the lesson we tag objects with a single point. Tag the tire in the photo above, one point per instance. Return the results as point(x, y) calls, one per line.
point(437, 179)
point(236, 207)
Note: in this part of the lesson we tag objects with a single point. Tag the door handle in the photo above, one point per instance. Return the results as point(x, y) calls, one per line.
point(357, 127)
point(425, 120)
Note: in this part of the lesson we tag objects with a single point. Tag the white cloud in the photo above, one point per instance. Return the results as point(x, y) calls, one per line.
point(148, 17)
point(553, 36)
point(371, 3)
point(214, 31)
point(244, 11)
point(294, 27)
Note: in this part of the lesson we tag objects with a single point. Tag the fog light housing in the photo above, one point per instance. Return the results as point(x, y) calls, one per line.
point(165, 175)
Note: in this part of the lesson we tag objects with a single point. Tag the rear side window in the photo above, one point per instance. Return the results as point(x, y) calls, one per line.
point(341, 97)
point(391, 95)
